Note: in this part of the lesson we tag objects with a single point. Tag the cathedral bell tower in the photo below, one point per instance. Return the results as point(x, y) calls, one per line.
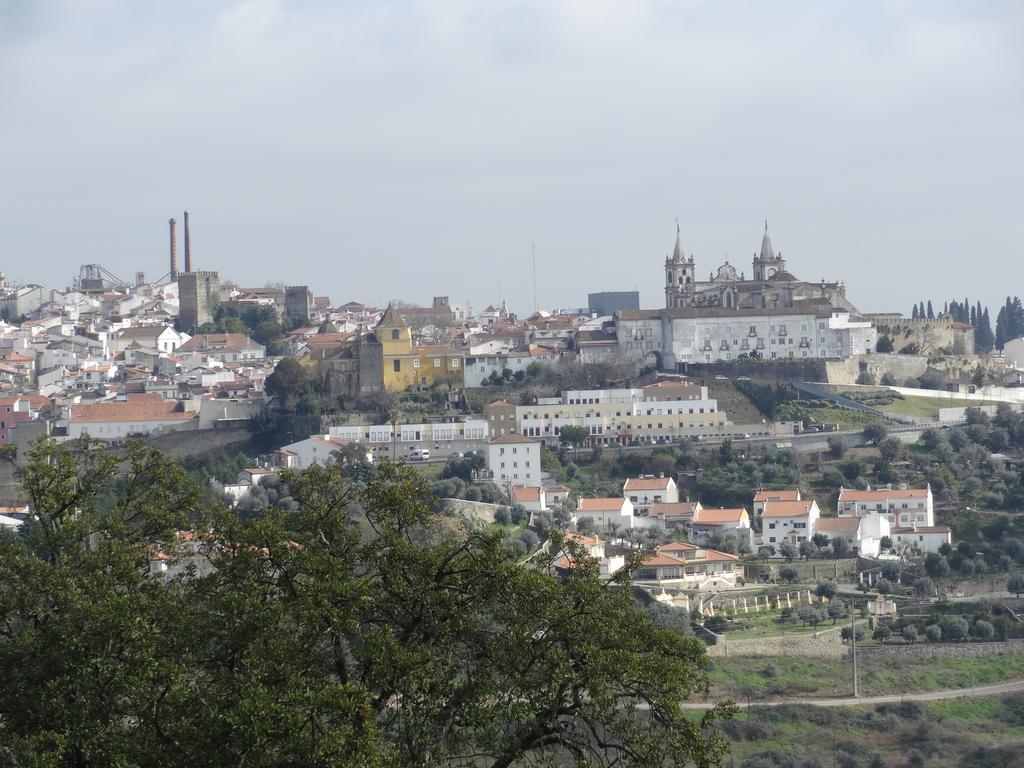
point(766, 263)
point(679, 275)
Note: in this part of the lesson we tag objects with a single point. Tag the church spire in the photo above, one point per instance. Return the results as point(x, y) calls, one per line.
point(766, 243)
point(678, 253)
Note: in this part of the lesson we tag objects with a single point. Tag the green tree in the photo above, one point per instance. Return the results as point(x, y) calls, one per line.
point(1015, 583)
point(289, 382)
point(352, 629)
point(837, 609)
point(836, 446)
point(909, 633)
point(788, 550)
point(574, 436)
point(826, 589)
point(884, 344)
point(875, 433)
point(788, 573)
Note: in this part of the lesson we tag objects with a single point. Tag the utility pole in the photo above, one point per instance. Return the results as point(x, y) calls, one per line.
point(853, 641)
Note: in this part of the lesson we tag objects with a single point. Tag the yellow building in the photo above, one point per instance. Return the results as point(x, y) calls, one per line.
point(438, 365)
point(400, 359)
point(406, 366)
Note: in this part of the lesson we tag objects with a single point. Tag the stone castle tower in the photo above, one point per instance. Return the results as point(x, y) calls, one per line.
point(679, 272)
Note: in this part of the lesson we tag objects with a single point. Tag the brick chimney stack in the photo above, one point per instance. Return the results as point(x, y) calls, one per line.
point(188, 246)
point(174, 249)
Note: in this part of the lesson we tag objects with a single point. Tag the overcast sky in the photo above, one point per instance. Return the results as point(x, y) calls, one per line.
point(380, 150)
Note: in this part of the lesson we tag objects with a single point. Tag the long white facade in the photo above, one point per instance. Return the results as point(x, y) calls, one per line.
point(706, 335)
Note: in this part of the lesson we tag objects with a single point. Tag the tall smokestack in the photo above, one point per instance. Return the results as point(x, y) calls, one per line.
point(174, 249)
point(188, 247)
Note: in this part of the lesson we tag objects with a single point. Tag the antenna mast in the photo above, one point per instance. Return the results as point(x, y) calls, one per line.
point(533, 255)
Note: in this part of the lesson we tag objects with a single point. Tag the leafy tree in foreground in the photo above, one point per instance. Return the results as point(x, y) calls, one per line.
point(353, 629)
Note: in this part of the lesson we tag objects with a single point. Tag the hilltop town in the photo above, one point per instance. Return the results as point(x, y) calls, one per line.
point(763, 458)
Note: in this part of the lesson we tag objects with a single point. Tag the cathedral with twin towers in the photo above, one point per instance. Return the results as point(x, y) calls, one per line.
point(770, 286)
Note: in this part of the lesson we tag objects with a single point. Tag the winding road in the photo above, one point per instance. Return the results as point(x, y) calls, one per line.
point(996, 689)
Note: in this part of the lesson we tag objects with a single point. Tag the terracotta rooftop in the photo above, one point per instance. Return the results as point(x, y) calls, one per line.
point(787, 494)
point(676, 509)
point(882, 494)
point(140, 407)
point(526, 495)
point(719, 516)
point(602, 505)
point(787, 508)
point(846, 525)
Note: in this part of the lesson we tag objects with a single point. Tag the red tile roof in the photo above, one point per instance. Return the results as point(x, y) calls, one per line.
point(787, 508)
point(525, 495)
point(674, 509)
point(787, 494)
point(882, 494)
point(719, 516)
point(602, 505)
point(140, 407)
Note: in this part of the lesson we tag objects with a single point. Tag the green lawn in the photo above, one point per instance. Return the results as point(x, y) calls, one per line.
point(790, 676)
point(923, 407)
point(770, 625)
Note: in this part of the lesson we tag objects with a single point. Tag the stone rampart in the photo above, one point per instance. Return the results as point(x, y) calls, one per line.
point(941, 650)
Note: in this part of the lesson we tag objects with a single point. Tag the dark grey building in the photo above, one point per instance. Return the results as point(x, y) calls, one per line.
point(610, 302)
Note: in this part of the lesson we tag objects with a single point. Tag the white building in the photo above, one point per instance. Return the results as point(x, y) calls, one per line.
point(136, 415)
point(674, 337)
point(709, 522)
point(648, 490)
point(163, 338)
point(479, 367)
point(920, 539)
point(902, 506)
point(318, 449)
point(763, 496)
point(689, 566)
point(514, 459)
point(439, 434)
point(616, 512)
point(593, 547)
point(656, 413)
point(863, 534)
point(791, 521)
point(529, 498)
point(1013, 353)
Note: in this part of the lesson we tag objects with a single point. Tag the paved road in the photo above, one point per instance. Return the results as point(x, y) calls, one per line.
point(997, 689)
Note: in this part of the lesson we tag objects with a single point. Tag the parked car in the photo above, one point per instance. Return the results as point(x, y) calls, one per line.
point(742, 378)
point(420, 454)
point(720, 377)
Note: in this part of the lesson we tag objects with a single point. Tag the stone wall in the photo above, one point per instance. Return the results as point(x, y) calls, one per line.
point(942, 650)
point(828, 644)
point(473, 510)
point(803, 370)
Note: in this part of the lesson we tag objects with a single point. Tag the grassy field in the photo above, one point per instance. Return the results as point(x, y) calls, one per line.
point(923, 407)
point(769, 625)
point(831, 414)
point(964, 733)
point(785, 676)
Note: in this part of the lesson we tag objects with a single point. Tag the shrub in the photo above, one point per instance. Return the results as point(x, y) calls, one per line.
point(933, 632)
point(983, 630)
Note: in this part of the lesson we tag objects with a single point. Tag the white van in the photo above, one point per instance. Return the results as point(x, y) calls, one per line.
point(420, 454)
